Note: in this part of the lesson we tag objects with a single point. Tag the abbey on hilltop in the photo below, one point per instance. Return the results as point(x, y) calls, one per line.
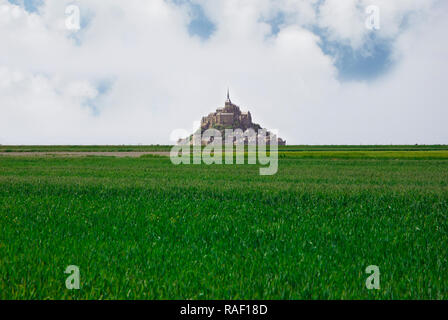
point(231, 117)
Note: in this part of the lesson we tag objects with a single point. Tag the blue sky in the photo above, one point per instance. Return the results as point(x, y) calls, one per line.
point(30, 5)
point(200, 25)
point(366, 63)
point(138, 70)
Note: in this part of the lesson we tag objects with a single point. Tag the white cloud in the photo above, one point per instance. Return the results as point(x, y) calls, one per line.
point(161, 78)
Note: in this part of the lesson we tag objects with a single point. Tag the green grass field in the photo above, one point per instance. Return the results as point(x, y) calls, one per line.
point(142, 228)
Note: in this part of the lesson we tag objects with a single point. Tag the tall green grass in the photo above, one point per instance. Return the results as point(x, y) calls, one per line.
point(146, 229)
point(156, 148)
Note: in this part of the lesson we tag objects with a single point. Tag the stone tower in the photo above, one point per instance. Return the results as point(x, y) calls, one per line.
point(230, 117)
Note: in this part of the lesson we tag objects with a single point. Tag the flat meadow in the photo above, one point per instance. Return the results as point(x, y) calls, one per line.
point(143, 228)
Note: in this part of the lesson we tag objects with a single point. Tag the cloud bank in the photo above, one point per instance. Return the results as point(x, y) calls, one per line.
point(138, 70)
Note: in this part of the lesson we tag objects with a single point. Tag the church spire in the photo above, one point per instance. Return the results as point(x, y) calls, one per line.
point(228, 96)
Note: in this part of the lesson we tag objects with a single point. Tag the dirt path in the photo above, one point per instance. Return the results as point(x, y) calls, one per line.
point(84, 154)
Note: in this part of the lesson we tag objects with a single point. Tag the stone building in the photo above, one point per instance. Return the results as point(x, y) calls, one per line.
point(230, 117)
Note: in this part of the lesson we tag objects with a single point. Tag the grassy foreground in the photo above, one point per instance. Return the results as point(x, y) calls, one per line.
point(145, 229)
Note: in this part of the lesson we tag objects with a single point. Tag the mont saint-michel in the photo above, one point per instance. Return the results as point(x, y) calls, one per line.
point(231, 117)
